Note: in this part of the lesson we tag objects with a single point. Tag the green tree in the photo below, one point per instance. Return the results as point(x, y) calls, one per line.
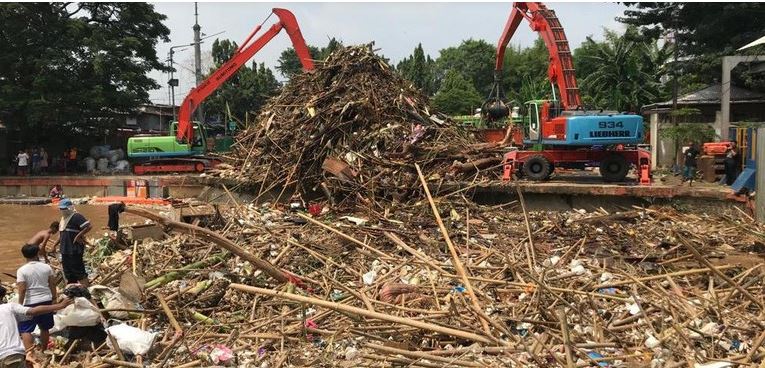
point(419, 69)
point(622, 73)
point(524, 72)
point(73, 68)
point(704, 33)
point(457, 96)
point(246, 91)
point(289, 63)
point(473, 59)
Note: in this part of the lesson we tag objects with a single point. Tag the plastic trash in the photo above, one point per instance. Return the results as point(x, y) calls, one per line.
point(577, 267)
point(99, 151)
point(713, 365)
point(132, 340)
point(221, 354)
point(121, 166)
point(80, 313)
point(652, 342)
point(90, 164)
point(369, 277)
point(351, 353)
point(115, 155)
point(103, 164)
point(595, 355)
point(112, 299)
point(355, 220)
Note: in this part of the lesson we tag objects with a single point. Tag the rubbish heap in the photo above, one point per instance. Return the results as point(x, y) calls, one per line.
point(380, 272)
point(274, 286)
point(349, 130)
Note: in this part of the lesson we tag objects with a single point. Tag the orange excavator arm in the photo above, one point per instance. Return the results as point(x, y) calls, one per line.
point(561, 68)
point(287, 22)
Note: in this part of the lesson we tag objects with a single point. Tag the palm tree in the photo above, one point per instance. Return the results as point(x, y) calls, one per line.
point(627, 72)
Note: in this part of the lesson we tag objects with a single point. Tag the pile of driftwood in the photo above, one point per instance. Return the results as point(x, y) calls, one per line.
point(442, 283)
point(350, 130)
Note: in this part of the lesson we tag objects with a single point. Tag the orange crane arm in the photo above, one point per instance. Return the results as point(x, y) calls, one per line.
point(287, 22)
point(561, 68)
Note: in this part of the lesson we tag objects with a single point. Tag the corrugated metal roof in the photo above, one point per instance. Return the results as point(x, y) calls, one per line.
point(711, 96)
point(759, 41)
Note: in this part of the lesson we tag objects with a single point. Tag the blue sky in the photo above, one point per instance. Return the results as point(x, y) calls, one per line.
point(396, 28)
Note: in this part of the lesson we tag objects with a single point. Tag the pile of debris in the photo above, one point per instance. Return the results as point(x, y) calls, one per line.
point(351, 129)
point(435, 285)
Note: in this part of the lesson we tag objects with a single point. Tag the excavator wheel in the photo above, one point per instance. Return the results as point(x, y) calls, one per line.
point(199, 167)
point(614, 168)
point(537, 168)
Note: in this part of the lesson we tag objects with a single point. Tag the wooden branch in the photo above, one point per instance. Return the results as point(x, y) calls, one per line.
point(265, 266)
point(365, 313)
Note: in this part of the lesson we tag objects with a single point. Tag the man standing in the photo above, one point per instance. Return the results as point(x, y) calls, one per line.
point(73, 159)
point(73, 227)
point(11, 349)
point(41, 239)
point(22, 160)
point(43, 161)
point(732, 163)
point(37, 287)
point(35, 161)
point(690, 163)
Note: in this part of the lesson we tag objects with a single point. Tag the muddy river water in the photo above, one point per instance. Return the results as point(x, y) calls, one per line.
point(19, 223)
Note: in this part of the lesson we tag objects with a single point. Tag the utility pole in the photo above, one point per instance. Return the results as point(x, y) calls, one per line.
point(198, 57)
point(673, 116)
point(173, 82)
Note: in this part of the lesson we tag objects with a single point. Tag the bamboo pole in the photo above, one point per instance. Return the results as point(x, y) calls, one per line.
point(170, 316)
point(453, 251)
point(717, 272)
point(566, 337)
point(365, 313)
point(421, 355)
point(657, 277)
point(344, 236)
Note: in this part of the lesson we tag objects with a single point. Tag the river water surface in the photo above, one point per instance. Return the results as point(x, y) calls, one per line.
point(19, 223)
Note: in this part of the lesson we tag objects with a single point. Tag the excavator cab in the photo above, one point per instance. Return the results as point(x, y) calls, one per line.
point(199, 144)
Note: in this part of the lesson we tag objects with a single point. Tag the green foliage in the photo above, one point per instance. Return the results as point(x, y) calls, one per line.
point(73, 67)
point(705, 32)
point(622, 73)
point(457, 96)
point(473, 59)
point(690, 132)
point(289, 63)
point(524, 73)
point(531, 89)
point(246, 91)
point(419, 69)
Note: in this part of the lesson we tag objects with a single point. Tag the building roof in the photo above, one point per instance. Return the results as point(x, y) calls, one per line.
point(711, 96)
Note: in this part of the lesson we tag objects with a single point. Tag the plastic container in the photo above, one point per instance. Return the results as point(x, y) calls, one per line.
point(121, 166)
point(102, 165)
point(115, 155)
point(90, 164)
point(99, 151)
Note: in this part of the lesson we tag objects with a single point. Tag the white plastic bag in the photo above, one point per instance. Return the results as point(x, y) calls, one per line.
point(130, 339)
point(80, 313)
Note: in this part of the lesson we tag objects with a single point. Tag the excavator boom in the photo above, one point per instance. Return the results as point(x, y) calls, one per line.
point(287, 21)
point(561, 68)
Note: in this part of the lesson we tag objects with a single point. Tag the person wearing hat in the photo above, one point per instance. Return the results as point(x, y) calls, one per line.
point(12, 353)
point(73, 227)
